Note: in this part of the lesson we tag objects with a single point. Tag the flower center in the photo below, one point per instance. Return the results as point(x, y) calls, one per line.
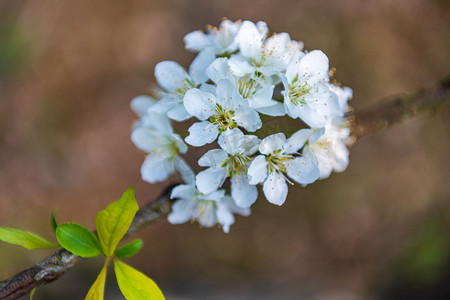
point(223, 118)
point(249, 85)
point(297, 90)
point(187, 85)
point(236, 164)
point(277, 161)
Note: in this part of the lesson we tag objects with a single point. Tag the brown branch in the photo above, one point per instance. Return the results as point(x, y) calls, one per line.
point(58, 263)
point(367, 122)
point(402, 108)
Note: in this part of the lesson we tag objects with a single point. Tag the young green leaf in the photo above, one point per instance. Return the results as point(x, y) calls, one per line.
point(129, 249)
point(134, 285)
point(53, 222)
point(97, 290)
point(113, 222)
point(78, 239)
point(32, 293)
point(24, 238)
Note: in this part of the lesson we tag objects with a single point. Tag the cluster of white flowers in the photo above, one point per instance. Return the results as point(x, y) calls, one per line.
point(228, 91)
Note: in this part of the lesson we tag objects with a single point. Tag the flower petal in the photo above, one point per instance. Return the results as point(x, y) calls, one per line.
point(230, 140)
point(242, 192)
point(250, 40)
point(184, 170)
point(218, 69)
point(197, 41)
point(156, 168)
point(247, 118)
point(199, 65)
point(275, 188)
point(183, 191)
point(202, 133)
point(178, 113)
point(297, 140)
point(210, 179)
point(257, 171)
point(140, 104)
point(170, 75)
point(271, 143)
point(179, 214)
point(213, 158)
point(200, 104)
point(302, 170)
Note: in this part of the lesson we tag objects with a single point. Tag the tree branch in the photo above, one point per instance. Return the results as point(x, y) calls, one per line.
point(402, 108)
point(58, 263)
point(378, 118)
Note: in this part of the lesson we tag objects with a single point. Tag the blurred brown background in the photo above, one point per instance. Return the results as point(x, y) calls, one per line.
point(380, 230)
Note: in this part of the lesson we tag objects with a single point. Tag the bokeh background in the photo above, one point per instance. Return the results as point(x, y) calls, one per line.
point(380, 230)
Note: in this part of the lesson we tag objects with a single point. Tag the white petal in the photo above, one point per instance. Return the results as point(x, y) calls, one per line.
point(275, 188)
point(178, 113)
point(199, 104)
point(302, 170)
point(140, 104)
point(242, 192)
point(185, 171)
point(215, 196)
point(164, 104)
point(263, 98)
point(230, 140)
point(197, 41)
point(156, 168)
point(213, 158)
point(247, 118)
point(199, 65)
point(179, 215)
point(207, 218)
point(170, 75)
point(250, 40)
point(210, 179)
point(231, 205)
point(145, 139)
point(208, 88)
point(183, 191)
point(276, 110)
point(227, 95)
point(202, 133)
point(272, 142)
point(218, 69)
point(257, 171)
point(314, 64)
point(239, 65)
point(292, 68)
point(249, 145)
point(297, 140)
point(225, 218)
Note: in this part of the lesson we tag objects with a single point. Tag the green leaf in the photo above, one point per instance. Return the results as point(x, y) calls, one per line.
point(97, 290)
point(53, 222)
point(78, 239)
point(129, 249)
point(134, 285)
point(113, 222)
point(24, 238)
point(32, 293)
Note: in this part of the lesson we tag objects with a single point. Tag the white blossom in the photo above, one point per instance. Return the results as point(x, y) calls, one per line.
point(267, 56)
point(232, 160)
point(279, 157)
point(255, 89)
point(154, 135)
point(217, 113)
point(330, 149)
point(175, 81)
point(307, 95)
point(208, 209)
